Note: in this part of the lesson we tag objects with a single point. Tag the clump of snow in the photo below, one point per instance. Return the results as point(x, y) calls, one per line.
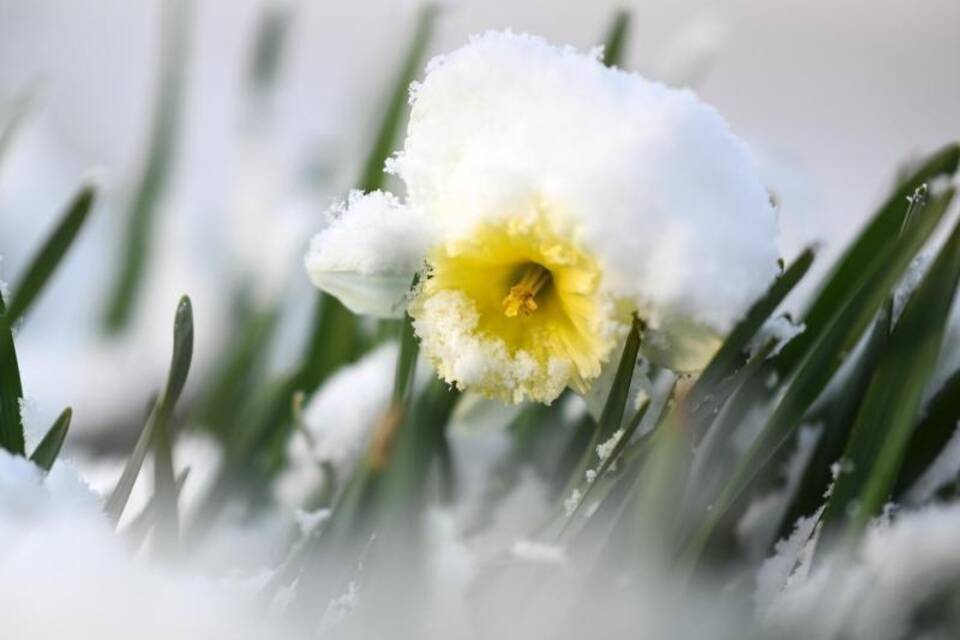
point(337, 420)
point(605, 448)
point(572, 501)
point(65, 573)
point(509, 122)
point(538, 552)
point(880, 593)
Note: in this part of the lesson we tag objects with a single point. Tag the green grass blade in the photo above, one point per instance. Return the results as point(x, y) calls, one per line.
point(11, 389)
point(865, 257)
point(406, 364)
point(935, 430)
point(707, 392)
point(615, 42)
point(372, 176)
point(886, 420)
point(49, 448)
point(51, 253)
point(159, 415)
point(824, 358)
point(140, 223)
point(835, 419)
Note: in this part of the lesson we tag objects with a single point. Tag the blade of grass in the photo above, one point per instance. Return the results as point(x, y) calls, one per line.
point(11, 389)
point(51, 253)
point(611, 417)
point(140, 223)
point(615, 42)
point(881, 433)
point(821, 362)
point(162, 410)
point(708, 392)
point(865, 257)
point(935, 430)
point(49, 448)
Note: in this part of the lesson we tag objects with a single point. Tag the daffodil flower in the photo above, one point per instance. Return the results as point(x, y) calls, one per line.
point(549, 199)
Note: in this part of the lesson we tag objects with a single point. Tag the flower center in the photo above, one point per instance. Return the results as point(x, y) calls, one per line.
point(522, 297)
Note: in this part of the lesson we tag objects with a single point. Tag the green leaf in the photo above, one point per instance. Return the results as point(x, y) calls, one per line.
point(935, 430)
point(823, 359)
point(51, 253)
point(141, 218)
point(615, 42)
point(882, 431)
point(49, 448)
point(406, 363)
point(865, 258)
point(11, 389)
point(372, 176)
point(159, 417)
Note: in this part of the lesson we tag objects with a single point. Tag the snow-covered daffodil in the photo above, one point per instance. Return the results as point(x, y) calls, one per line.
point(549, 199)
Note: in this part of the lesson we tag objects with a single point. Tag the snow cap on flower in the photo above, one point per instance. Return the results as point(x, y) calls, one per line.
point(565, 197)
point(368, 254)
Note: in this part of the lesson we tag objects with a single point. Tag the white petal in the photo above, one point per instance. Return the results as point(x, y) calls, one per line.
point(369, 253)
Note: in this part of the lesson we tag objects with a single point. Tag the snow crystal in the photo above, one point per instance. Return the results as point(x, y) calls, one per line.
point(538, 552)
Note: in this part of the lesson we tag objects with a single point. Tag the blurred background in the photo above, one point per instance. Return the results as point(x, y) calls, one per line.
point(270, 109)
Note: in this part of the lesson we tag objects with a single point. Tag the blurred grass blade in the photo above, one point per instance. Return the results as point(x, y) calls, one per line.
point(881, 433)
point(136, 242)
point(824, 358)
point(865, 257)
point(267, 50)
point(51, 253)
point(615, 42)
point(11, 389)
point(159, 415)
point(49, 448)
point(935, 430)
point(406, 364)
point(13, 118)
point(372, 176)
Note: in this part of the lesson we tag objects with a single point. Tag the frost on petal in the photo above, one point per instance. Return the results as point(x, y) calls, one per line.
point(661, 192)
point(369, 253)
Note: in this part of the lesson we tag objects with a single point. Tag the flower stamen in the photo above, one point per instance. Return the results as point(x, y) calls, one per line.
point(522, 296)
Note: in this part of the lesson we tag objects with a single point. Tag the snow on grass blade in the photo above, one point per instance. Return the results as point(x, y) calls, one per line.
point(611, 417)
point(881, 433)
point(614, 45)
point(160, 414)
point(865, 257)
point(821, 362)
point(51, 253)
point(936, 428)
point(11, 389)
point(49, 448)
point(135, 249)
